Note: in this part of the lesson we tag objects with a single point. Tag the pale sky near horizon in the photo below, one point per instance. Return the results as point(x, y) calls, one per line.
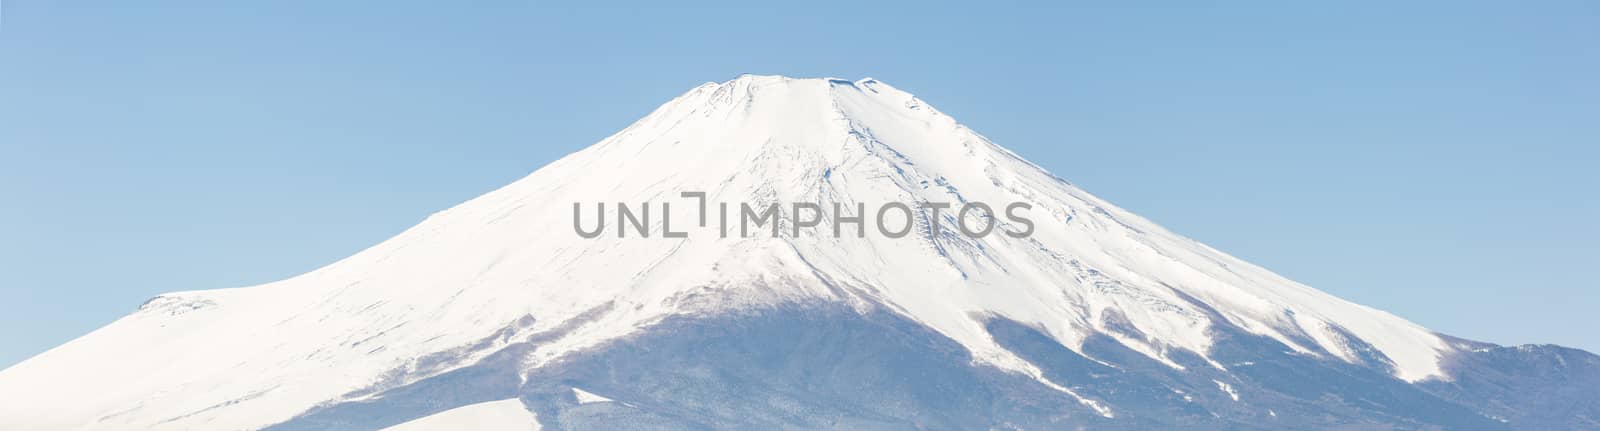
point(1432, 159)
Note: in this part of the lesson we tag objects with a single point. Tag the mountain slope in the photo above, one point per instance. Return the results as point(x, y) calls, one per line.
point(1099, 318)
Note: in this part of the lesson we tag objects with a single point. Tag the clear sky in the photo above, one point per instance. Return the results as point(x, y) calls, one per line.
point(1433, 159)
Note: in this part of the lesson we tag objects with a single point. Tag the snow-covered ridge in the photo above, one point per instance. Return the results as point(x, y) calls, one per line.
point(507, 265)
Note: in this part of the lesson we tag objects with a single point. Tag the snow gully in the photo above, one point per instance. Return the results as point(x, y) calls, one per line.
point(892, 220)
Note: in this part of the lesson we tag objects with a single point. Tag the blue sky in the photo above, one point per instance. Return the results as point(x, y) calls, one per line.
point(1433, 159)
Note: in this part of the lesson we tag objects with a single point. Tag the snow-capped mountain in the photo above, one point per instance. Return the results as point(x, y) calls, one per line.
point(499, 311)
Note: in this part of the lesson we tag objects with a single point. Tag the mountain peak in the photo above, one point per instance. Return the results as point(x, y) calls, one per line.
point(467, 283)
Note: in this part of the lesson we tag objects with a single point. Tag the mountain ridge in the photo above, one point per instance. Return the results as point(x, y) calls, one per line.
point(497, 297)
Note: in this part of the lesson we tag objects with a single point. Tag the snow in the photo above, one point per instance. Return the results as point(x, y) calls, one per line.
point(1099, 408)
point(509, 262)
point(586, 397)
point(1227, 389)
point(503, 415)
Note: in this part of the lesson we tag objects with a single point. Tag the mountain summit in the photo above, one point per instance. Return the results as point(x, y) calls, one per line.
point(501, 309)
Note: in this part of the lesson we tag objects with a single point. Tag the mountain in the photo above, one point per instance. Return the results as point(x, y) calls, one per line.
point(503, 309)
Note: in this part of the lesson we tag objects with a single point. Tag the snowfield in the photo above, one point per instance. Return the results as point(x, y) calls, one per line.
point(503, 415)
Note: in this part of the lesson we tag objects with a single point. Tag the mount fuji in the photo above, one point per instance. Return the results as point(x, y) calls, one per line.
point(496, 314)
